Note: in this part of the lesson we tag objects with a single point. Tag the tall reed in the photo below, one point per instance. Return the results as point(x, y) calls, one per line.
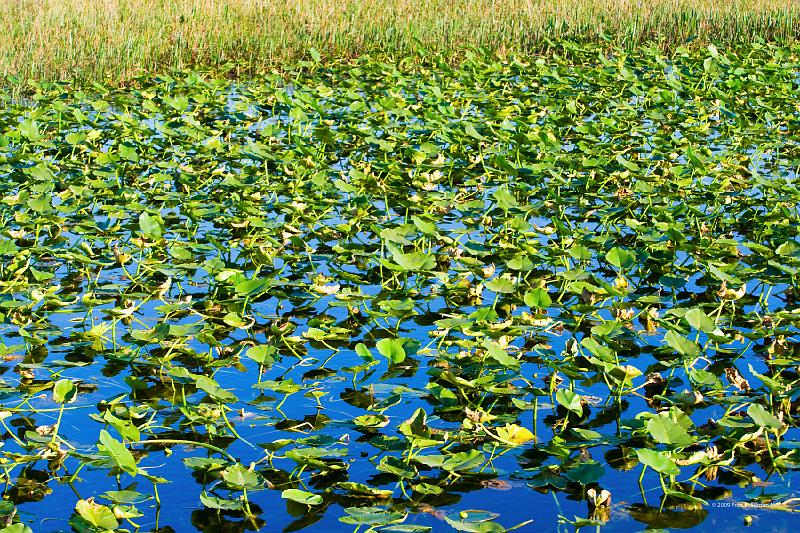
point(117, 39)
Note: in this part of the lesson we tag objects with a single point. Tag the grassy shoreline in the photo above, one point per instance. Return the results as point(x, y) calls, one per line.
point(83, 40)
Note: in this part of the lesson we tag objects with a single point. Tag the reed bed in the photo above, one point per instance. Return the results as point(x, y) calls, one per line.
point(118, 39)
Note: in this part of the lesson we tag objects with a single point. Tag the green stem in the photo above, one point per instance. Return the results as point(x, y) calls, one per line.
point(188, 443)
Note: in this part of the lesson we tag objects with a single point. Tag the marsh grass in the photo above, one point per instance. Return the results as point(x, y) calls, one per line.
point(118, 39)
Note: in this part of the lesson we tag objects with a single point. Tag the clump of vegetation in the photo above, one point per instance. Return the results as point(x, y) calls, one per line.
point(115, 40)
point(373, 293)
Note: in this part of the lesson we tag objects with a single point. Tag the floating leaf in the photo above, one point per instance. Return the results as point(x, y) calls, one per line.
point(240, 477)
point(762, 417)
point(363, 491)
point(504, 199)
point(620, 258)
point(370, 516)
point(570, 400)
point(150, 225)
point(681, 344)
point(392, 349)
point(64, 391)
point(496, 352)
point(500, 285)
point(121, 455)
point(699, 320)
point(667, 431)
point(262, 354)
point(658, 461)
point(514, 434)
point(538, 298)
point(586, 473)
point(97, 515)
point(462, 461)
point(214, 502)
point(301, 496)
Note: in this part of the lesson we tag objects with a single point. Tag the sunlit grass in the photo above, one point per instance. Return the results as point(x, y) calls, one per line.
point(85, 39)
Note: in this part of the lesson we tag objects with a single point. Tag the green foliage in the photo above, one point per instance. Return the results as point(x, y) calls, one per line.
point(61, 39)
point(385, 284)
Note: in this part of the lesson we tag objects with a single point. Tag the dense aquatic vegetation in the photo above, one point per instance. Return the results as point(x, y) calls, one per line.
point(521, 292)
